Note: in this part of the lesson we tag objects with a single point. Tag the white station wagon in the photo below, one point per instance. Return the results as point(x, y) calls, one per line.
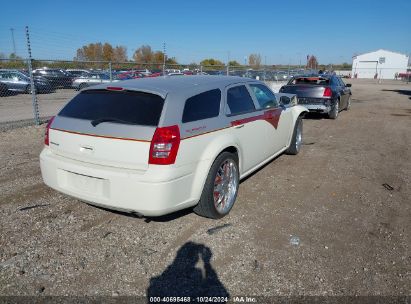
point(153, 146)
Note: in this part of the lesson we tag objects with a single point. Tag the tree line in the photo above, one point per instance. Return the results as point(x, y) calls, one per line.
point(105, 52)
point(145, 54)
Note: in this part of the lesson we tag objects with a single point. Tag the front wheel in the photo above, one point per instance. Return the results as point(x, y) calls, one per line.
point(28, 89)
point(221, 187)
point(297, 139)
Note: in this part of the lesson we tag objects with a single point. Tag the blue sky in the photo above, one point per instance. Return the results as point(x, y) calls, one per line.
point(281, 31)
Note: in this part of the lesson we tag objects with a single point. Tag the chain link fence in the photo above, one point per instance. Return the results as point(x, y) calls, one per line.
point(27, 98)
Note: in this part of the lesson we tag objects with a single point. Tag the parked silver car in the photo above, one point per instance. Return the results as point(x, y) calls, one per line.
point(16, 81)
point(90, 80)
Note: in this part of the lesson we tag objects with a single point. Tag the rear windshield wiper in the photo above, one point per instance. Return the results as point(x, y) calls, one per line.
point(98, 121)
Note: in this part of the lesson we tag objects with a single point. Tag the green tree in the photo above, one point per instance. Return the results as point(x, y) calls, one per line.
point(171, 60)
point(234, 63)
point(346, 65)
point(14, 57)
point(211, 62)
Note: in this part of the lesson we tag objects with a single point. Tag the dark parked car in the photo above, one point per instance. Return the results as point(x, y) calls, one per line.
point(4, 89)
point(321, 93)
point(57, 78)
point(19, 82)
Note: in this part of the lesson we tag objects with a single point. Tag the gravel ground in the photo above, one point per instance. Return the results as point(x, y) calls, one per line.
point(344, 201)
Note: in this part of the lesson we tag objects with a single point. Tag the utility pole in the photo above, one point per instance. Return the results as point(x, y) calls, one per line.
point(164, 58)
point(33, 88)
point(14, 42)
point(228, 63)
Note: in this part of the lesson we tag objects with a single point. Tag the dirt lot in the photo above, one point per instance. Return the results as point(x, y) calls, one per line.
point(354, 233)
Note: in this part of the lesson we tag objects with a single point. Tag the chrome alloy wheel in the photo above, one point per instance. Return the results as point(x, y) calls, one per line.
point(299, 137)
point(225, 186)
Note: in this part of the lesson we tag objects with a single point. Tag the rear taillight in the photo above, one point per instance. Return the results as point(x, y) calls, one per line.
point(46, 134)
point(164, 146)
point(327, 92)
point(115, 89)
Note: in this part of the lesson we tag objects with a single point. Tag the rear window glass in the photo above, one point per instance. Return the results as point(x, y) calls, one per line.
point(125, 107)
point(202, 106)
point(310, 80)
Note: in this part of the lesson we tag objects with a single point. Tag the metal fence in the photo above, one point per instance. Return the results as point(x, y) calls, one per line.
point(32, 91)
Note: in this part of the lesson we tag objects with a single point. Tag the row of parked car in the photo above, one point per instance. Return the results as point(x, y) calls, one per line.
point(47, 80)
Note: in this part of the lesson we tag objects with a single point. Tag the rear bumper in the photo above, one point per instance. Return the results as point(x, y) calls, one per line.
point(319, 108)
point(318, 105)
point(154, 192)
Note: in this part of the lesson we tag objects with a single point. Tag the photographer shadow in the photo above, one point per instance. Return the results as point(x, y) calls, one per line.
point(190, 275)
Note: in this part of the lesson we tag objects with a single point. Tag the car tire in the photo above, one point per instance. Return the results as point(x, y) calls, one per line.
point(82, 86)
point(335, 109)
point(221, 187)
point(28, 89)
point(348, 103)
point(297, 139)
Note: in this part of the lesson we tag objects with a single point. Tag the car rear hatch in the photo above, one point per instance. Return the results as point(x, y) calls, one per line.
point(307, 87)
point(109, 128)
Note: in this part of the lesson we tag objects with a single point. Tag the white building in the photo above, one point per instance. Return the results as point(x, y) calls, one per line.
point(381, 64)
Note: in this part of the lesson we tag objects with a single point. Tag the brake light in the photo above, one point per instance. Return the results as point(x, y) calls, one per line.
point(46, 133)
point(164, 146)
point(115, 89)
point(327, 92)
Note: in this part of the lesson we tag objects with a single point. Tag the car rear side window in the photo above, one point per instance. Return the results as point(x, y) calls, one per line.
point(127, 107)
point(202, 106)
point(239, 100)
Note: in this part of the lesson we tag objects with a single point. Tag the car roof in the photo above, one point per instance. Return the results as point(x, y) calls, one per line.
point(167, 84)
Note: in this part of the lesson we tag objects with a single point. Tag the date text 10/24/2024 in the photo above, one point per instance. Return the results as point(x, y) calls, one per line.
point(239, 299)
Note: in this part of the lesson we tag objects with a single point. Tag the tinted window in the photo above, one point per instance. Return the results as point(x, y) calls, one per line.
point(239, 100)
point(202, 106)
point(131, 107)
point(265, 97)
point(310, 80)
point(334, 81)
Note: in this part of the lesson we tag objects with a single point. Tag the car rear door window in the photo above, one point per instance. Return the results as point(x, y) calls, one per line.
point(239, 100)
point(264, 96)
point(128, 107)
point(202, 106)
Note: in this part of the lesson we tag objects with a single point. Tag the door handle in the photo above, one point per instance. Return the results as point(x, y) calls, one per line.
point(239, 126)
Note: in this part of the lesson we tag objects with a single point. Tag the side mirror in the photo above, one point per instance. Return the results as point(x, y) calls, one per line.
point(285, 100)
point(348, 85)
